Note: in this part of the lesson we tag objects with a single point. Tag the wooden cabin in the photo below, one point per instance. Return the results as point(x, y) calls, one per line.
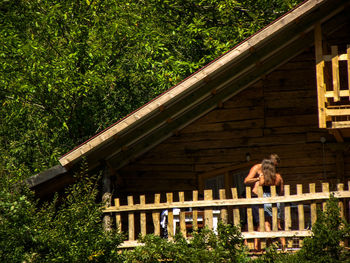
point(284, 90)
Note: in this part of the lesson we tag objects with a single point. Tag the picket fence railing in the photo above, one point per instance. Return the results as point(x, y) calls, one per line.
point(300, 213)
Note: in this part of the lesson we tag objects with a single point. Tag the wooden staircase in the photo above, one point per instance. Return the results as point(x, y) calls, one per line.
point(333, 84)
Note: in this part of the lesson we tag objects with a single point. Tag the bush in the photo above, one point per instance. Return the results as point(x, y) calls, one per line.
point(68, 230)
point(329, 230)
point(205, 246)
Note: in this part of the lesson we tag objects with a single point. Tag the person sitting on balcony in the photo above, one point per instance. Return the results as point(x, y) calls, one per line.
point(268, 177)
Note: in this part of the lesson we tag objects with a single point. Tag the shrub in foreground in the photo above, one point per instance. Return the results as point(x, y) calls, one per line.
point(328, 232)
point(65, 230)
point(204, 246)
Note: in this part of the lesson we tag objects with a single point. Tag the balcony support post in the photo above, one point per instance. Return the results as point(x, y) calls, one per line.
point(107, 197)
point(319, 76)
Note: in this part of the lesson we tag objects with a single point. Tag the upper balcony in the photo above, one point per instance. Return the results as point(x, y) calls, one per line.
point(333, 83)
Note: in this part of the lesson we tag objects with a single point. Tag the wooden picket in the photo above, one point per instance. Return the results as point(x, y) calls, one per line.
point(204, 212)
point(301, 218)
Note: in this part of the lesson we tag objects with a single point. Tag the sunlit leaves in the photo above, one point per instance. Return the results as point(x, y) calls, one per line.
point(72, 68)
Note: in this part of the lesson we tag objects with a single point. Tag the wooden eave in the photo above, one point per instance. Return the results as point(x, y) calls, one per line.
point(210, 86)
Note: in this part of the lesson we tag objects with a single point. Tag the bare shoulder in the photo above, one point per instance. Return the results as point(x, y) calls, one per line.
point(256, 167)
point(279, 177)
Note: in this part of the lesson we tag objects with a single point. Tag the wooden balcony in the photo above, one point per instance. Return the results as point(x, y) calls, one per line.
point(333, 83)
point(299, 209)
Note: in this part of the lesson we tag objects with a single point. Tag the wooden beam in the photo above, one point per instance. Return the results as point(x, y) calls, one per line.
point(261, 218)
point(236, 215)
point(195, 211)
point(245, 235)
point(170, 225)
point(182, 216)
point(156, 216)
point(249, 235)
point(118, 221)
point(342, 93)
point(319, 76)
point(313, 206)
point(338, 112)
point(341, 57)
point(143, 217)
point(335, 73)
point(340, 124)
point(301, 215)
point(131, 219)
point(312, 196)
point(208, 211)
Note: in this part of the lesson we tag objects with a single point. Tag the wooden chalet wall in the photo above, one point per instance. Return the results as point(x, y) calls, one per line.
point(278, 114)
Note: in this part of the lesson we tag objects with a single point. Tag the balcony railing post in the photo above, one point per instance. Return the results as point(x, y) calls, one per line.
point(182, 215)
point(274, 210)
point(301, 217)
point(131, 219)
point(208, 212)
point(118, 220)
point(223, 210)
point(261, 218)
point(169, 198)
point(195, 210)
point(236, 215)
point(340, 187)
point(156, 216)
point(249, 216)
point(143, 216)
point(313, 207)
point(325, 189)
point(287, 215)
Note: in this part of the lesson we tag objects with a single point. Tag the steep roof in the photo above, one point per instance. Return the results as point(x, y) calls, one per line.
point(204, 90)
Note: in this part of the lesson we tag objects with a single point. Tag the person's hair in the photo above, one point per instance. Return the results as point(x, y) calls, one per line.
point(269, 171)
point(275, 158)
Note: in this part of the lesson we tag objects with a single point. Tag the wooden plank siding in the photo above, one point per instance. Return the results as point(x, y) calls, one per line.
point(259, 120)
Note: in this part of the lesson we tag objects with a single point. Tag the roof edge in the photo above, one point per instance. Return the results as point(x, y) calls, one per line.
point(45, 176)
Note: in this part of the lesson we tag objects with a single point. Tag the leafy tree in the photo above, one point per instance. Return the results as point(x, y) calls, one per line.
point(69, 69)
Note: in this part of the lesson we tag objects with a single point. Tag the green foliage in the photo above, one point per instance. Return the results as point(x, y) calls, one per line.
point(67, 230)
point(69, 69)
point(329, 230)
point(205, 246)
